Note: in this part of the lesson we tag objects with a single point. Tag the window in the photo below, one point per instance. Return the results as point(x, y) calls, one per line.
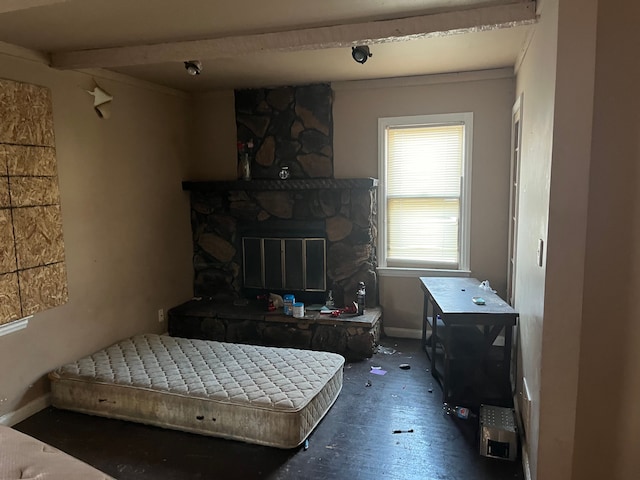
point(425, 165)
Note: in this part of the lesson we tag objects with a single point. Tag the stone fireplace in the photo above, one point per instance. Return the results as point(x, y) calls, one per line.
point(223, 213)
point(286, 127)
point(342, 211)
point(306, 235)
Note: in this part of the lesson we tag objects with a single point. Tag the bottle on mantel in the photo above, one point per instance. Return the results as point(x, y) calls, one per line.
point(244, 160)
point(361, 296)
point(245, 167)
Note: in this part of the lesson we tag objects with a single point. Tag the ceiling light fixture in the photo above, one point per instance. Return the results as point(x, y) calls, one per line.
point(361, 53)
point(194, 67)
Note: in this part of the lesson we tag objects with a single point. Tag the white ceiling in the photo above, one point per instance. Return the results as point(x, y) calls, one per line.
point(306, 40)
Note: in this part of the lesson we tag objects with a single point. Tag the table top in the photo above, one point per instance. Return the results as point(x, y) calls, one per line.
point(453, 295)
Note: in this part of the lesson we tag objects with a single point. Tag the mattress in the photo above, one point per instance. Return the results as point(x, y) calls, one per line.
point(264, 395)
point(22, 456)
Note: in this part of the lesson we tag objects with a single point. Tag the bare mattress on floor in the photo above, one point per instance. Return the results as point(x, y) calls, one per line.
point(265, 395)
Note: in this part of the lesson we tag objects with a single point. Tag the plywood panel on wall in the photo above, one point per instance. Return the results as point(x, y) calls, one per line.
point(32, 271)
point(27, 114)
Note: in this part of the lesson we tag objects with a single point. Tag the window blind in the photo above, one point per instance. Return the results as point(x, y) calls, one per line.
point(423, 189)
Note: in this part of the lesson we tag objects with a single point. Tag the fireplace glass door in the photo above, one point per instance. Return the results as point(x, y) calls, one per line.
point(284, 264)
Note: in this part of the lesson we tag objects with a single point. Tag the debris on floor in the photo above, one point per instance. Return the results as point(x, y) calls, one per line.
point(368, 384)
point(377, 371)
point(385, 350)
point(405, 366)
point(403, 431)
point(460, 412)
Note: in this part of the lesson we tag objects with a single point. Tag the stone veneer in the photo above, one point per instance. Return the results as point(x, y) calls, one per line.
point(346, 208)
point(289, 126)
point(353, 336)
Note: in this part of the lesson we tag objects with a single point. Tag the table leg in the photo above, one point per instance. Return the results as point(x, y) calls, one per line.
point(425, 322)
point(508, 336)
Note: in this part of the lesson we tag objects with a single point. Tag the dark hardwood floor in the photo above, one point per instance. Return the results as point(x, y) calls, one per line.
point(354, 441)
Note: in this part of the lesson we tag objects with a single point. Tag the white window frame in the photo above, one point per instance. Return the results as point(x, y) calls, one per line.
point(464, 236)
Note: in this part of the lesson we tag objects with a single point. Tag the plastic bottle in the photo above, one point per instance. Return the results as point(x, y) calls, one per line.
point(329, 303)
point(289, 299)
point(361, 296)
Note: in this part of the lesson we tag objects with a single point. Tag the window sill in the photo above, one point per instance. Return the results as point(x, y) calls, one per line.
point(420, 272)
point(14, 326)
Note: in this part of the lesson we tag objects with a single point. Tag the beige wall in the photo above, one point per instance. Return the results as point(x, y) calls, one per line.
point(125, 224)
point(490, 96)
point(536, 83)
point(608, 420)
point(566, 236)
point(557, 112)
point(357, 107)
point(212, 130)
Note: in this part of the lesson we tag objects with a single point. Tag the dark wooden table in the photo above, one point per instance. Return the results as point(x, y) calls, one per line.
point(470, 365)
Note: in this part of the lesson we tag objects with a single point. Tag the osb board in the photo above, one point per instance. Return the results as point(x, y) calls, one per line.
point(42, 288)
point(38, 233)
point(8, 252)
point(31, 191)
point(30, 219)
point(27, 114)
point(9, 298)
point(29, 161)
point(4, 191)
point(4, 181)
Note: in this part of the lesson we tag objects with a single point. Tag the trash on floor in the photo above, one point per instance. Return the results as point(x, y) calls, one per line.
point(460, 412)
point(403, 431)
point(368, 384)
point(405, 366)
point(385, 350)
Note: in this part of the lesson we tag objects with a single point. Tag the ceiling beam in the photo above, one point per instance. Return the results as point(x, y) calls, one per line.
point(14, 5)
point(382, 31)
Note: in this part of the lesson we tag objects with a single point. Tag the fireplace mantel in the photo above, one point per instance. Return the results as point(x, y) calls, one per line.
point(290, 184)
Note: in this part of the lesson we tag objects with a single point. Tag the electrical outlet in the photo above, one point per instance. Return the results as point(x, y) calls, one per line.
point(161, 315)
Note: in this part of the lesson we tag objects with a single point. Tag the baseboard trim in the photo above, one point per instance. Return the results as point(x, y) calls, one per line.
point(524, 448)
point(26, 411)
point(402, 332)
point(525, 463)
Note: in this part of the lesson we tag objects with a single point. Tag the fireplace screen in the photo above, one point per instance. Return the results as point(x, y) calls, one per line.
point(291, 264)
